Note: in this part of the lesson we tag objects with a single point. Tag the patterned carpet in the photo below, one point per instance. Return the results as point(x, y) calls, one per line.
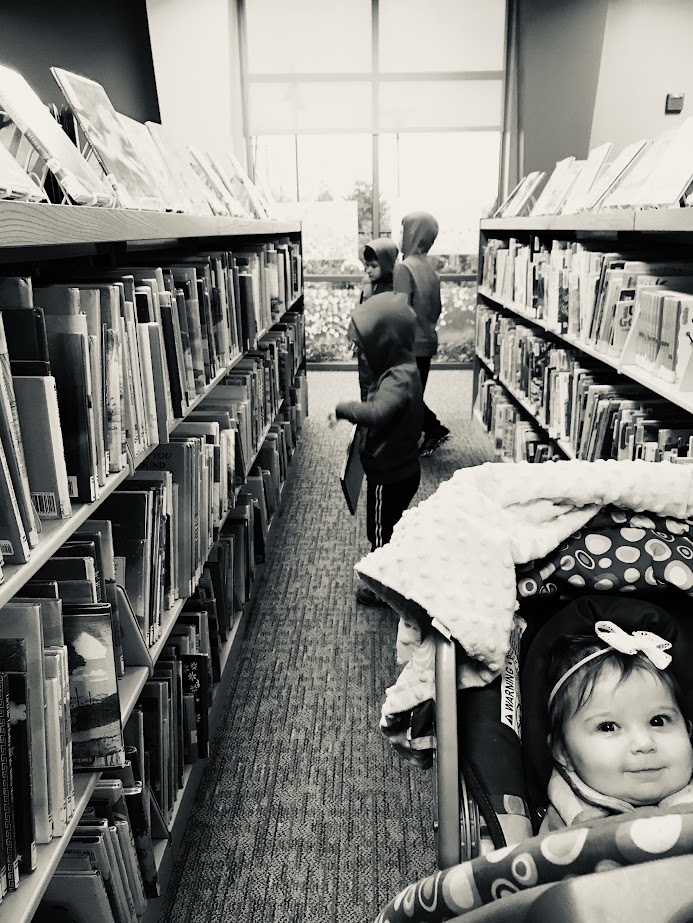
point(304, 814)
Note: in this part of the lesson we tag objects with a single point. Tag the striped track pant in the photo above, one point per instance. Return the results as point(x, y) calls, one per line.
point(385, 504)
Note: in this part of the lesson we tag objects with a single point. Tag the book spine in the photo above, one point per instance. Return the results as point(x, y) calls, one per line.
point(7, 787)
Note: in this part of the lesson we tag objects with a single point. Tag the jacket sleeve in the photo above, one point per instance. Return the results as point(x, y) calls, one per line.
point(376, 412)
point(403, 281)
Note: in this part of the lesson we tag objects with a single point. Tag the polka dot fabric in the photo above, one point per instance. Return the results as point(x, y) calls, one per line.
point(641, 837)
point(617, 550)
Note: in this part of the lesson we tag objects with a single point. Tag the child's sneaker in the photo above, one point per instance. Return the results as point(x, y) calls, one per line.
point(367, 597)
point(431, 443)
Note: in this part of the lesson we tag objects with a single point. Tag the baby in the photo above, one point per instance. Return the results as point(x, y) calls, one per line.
point(616, 729)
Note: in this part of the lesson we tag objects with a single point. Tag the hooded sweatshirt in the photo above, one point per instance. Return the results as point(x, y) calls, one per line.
point(392, 415)
point(386, 252)
point(417, 279)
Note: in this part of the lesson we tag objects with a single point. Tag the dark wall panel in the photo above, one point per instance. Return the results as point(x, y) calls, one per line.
point(106, 41)
point(559, 55)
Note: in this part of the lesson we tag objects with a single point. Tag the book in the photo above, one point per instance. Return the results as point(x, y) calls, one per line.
point(11, 438)
point(39, 420)
point(82, 895)
point(351, 474)
point(107, 137)
point(97, 736)
point(15, 183)
point(13, 663)
point(7, 796)
point(196, 684)
point(162, 183)
point(610, 176)
point(80, 182)
point(176, 158)
point(130, 513)
point(68, 346)
point(22, 619)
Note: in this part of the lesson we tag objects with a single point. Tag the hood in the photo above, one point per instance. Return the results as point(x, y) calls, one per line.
point(386, 252)
point(385, 326)
point(419, 231)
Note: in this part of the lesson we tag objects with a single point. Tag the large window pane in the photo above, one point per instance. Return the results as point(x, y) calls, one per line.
point(308, 36)
point(453, 175)
point(296, 107)
point(441, 104)
point(441, 35)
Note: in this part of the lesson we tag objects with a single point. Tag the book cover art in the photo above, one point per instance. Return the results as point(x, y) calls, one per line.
point(196, 683)
point(33, 119)
point(15, 183)
point(107, 137)
point(97, 736)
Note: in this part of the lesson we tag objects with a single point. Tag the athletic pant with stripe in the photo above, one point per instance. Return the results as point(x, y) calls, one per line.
point(385, 504)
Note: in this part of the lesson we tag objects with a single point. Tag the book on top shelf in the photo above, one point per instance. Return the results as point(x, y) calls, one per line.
point(175, 156)
point(163, 184)
point(660, 177)
point(15, 183)
point(557, 187)
point(107, 138)
point(520, 199)
point(82, 184)
point(589, 172)
point(612, 173)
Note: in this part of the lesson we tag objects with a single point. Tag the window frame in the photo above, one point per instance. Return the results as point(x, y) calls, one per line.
point(507, 168)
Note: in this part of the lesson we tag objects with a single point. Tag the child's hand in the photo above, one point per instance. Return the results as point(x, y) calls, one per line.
point(332, 419)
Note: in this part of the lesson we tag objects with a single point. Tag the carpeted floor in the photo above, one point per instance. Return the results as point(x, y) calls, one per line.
point(304, 814)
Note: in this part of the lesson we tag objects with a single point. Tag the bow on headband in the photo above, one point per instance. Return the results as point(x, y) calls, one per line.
point(648, 643)
point(645, 642)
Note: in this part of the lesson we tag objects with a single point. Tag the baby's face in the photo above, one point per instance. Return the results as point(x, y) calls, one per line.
point(629, 740)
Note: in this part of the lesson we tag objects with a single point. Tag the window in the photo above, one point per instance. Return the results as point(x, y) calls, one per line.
point(362, 110)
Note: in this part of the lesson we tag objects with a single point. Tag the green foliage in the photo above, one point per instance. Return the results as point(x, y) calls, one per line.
point(329, 306)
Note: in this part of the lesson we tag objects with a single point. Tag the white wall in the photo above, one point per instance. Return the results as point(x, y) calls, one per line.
point(194, 48)
point(646, 54)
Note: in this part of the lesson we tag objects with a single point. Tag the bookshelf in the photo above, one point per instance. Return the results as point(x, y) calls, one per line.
point(638, 234)
point(38, 238)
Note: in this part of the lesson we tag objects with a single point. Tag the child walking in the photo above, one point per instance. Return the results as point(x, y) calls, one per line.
point(391, 417)
point(617, 732)
point(416, 278)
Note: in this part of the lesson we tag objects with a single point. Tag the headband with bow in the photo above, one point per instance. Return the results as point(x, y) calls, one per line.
point(645, 642)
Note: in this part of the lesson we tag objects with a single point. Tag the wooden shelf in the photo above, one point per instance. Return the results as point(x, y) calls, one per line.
point(36, 232)
point(24, 224)
point(54, 534)
point(589, 222)
point(672, 393)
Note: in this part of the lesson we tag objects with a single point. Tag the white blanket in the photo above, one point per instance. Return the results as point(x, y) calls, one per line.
point(455, 553)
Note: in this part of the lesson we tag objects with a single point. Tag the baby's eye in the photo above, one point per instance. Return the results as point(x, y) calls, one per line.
point(607, 726)
point(659, 721)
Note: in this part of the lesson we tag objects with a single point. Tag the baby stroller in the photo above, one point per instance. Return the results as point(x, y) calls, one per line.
point(490, 781)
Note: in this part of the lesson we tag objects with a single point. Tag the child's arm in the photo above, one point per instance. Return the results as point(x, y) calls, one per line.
point(373, 413)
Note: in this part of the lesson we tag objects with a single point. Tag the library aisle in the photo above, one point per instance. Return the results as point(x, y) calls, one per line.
point(304, 815)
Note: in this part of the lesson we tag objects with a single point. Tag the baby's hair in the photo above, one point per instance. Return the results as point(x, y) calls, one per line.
point(369, 254)
point(575, 692)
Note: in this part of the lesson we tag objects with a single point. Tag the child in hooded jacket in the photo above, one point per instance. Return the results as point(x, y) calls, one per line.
point(416, 278)
point(391, 418)
point(380, 256)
